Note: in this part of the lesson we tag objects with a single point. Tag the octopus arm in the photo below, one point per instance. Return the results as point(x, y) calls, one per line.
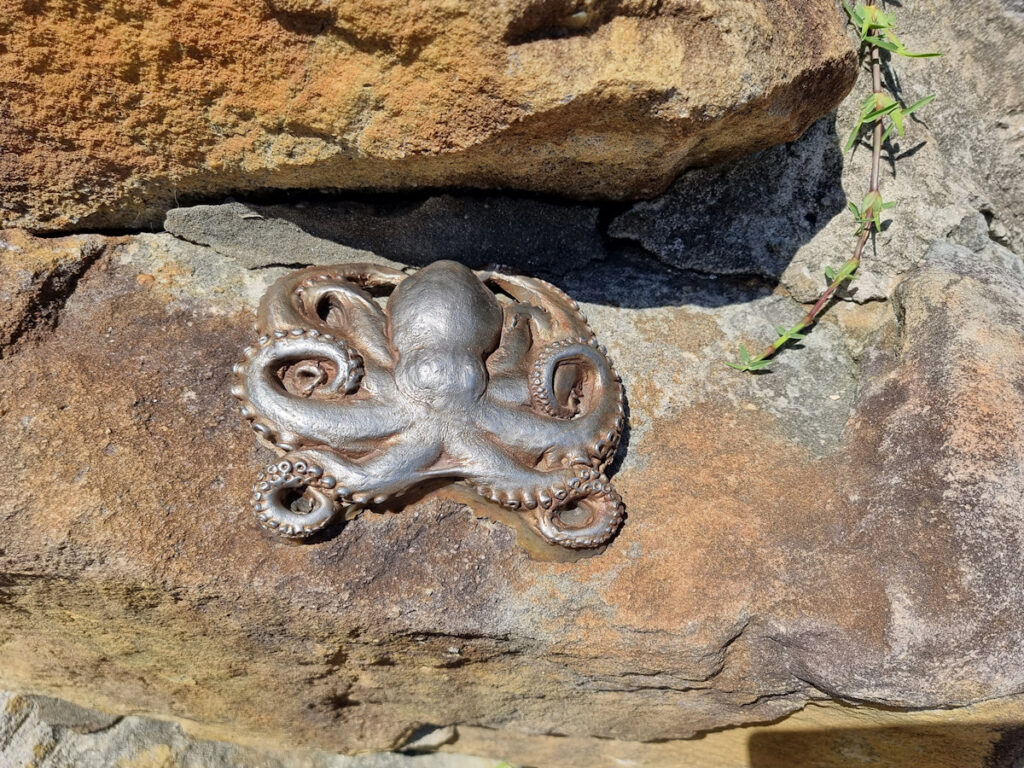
point(555, 428)
point(375, 478)
point(562, 316)
point(331, 300)
point(592, 437)
point(285, 417)
point(543, 496)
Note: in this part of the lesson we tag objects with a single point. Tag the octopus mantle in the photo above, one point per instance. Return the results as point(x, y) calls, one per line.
point(369, 381)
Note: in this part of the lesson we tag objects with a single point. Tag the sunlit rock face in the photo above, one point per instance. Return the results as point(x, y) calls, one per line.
point(846, 528)
point(113, 112)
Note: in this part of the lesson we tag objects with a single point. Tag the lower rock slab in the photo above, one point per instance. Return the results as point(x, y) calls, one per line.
point(846, 528)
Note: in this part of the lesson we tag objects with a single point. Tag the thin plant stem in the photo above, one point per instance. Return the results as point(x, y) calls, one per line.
point(867, 229)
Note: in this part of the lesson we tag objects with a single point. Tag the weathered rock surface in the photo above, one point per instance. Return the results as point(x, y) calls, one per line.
point(847, 527)
point(781, 214)
point(41, 731)
point(35, 277)
point(111, 113)
point(36, 729)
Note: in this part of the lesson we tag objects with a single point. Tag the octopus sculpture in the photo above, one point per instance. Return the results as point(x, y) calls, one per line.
point(368, 381)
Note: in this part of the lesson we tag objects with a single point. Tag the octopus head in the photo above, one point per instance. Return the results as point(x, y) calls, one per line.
point(443, 323)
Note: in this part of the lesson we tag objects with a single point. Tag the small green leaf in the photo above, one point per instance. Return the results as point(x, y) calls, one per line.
point(737, 366)
point(918, 104)
point(757, 365)
point(744, 354)
point(853, 208)
point(897, 119)
point(881, 42)
point(914, 55)
point(830, 274)
point(781, 331)
point(854, 135)
point(870, 202)
point(797, 336)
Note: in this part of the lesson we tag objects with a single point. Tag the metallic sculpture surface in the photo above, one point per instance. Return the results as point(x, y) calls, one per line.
point(487, 378)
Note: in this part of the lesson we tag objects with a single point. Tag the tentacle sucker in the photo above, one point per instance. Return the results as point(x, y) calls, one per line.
point(581, 487)
point(288, 410)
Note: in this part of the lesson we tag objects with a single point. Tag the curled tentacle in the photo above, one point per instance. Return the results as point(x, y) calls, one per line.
point(573, 381)
point(333, 300)
point(283, 482)
point(580, 399)
point(603, 510)
point(579, 487)
point(292, 386)
point(562, 314)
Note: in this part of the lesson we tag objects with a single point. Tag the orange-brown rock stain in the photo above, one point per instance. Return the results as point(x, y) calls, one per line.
point(117, 109)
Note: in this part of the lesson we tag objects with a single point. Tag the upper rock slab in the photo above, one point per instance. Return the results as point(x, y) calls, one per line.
point(112, 111)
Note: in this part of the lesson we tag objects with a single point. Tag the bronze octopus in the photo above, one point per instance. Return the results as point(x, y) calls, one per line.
point(492, 379)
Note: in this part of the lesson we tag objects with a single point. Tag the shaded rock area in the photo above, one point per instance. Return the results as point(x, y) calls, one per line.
point(478, 230)
point(112, 113)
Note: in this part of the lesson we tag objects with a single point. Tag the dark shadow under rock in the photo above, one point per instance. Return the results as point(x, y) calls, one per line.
point(747, 217)
point(521, 233)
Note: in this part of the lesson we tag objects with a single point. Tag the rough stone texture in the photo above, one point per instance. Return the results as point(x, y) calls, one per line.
point(35, 276)
point(781, 214)
point(110, 112)
point(41, 731)
point(38, 729)
point(846, 527)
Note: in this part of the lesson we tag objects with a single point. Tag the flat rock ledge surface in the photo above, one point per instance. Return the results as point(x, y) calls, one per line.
point(111, 112)
point(847, 527)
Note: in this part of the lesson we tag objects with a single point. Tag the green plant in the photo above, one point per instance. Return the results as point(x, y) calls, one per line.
point(877, 33)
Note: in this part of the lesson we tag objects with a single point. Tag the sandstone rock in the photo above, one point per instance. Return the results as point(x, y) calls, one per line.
point(112, 113)
point(846, 527)
point(820, 736)
point(35, 276)
point(781, 214)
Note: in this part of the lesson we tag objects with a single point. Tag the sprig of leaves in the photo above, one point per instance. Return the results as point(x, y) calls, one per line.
point(876, 30)
point(870, 212)
point(748, 363)
point(785, 335)
point(880, 105)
